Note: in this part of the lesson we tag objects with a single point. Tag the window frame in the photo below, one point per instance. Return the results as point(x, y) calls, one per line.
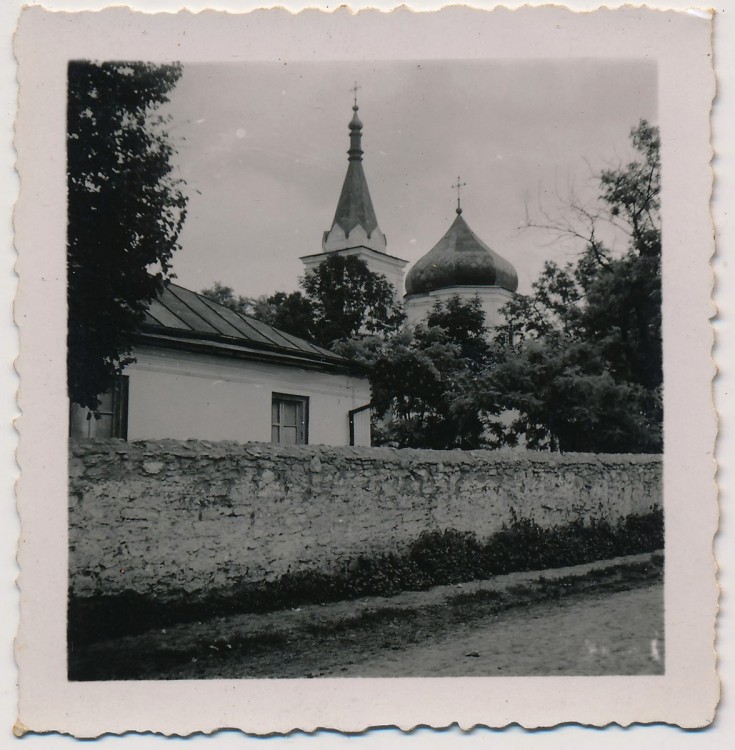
point(302, 403)
point(117, 412)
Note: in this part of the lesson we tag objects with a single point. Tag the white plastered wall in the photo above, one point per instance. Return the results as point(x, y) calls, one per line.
point(492, 298)
point(183, 396)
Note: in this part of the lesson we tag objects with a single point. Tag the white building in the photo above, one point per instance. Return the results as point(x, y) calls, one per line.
point(204, 371)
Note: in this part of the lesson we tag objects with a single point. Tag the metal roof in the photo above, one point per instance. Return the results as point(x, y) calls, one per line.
point(460, 258)
point(355, 207)
point(180, 315)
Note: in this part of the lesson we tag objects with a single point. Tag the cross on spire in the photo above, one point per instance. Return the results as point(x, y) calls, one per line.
point(354, 90)
point(458, 187)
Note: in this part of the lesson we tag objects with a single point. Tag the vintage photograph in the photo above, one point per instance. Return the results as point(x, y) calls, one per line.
point(338, 412)
point(342, 363)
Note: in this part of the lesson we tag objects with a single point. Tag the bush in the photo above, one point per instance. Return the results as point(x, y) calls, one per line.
point(446, 556)
point(434, 558)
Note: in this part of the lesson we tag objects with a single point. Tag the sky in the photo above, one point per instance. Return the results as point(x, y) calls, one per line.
point(262, 150)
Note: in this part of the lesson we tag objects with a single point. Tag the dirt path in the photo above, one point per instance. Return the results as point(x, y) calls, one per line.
point(617, 633)
point(586, 634)
point(600, 618)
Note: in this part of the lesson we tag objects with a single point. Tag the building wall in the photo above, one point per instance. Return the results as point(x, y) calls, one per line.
point(183, 396)
point(417, 306)
point(163, 518)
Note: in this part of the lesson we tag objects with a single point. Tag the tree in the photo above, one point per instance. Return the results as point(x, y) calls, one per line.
point(583, 361)
point(348, 300)
point(427, 383)
point(563, 396)
point(463, 322)
point(225, 295)
point(125, 212)
point(341, 299)
point(292, 313)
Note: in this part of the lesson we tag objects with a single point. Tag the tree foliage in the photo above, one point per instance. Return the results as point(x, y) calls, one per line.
point(463, 323)
point(125, 212)
point(291, 312)
point(225, 295)
point(347, 300)
point(428, 384)
point(577, 365)
point(340, 299)
point(583, 368)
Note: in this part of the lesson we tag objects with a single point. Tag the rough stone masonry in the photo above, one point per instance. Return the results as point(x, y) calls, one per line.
point(167, 518)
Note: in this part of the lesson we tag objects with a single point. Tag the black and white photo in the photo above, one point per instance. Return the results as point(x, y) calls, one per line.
point(378, 365)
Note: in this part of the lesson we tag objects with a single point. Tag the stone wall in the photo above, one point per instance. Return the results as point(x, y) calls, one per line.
point(166, 517)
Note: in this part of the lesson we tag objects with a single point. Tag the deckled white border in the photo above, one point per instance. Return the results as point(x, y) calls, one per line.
point(686, 695)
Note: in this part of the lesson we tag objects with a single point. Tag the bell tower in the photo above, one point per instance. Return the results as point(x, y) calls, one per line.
point(355, 230)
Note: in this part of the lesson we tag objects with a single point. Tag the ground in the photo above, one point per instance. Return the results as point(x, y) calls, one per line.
point(601, 618)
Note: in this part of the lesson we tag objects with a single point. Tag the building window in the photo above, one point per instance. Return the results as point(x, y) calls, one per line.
point(289, 419)
point(111, 419)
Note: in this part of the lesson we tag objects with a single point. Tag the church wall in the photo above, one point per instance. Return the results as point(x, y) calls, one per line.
point(417, 306)
point(190, 396)
point(169, 519)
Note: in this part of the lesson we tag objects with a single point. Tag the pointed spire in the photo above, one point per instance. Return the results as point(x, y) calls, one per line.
point(355, 223)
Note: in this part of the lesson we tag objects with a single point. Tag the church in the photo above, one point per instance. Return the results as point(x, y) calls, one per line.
point(460, 264)
point(204, 371)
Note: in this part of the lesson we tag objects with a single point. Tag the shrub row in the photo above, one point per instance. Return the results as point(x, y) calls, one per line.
point(434, 558)
point(450, 556)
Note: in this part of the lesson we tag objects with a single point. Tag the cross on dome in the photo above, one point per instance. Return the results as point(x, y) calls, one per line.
point(458, 187)
point(354, 91)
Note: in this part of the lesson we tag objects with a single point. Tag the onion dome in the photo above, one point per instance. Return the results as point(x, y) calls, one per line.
point(460, 258)
point(356, 124)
